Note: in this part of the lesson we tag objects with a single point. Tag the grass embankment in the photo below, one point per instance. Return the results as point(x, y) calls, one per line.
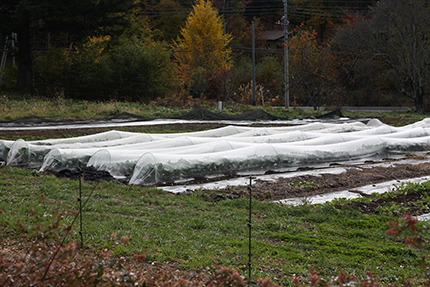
point(198, 232)
point(18, 106)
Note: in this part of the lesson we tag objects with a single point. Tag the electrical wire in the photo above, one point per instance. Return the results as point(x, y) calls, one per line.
point(331, 11)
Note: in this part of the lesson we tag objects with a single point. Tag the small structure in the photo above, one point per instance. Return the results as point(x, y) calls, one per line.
point(274, 40)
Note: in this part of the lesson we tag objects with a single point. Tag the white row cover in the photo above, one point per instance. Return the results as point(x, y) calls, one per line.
point(259, 158)
point(32, 153)
point(157, 158)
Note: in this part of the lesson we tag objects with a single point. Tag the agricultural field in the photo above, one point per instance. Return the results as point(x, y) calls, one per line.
point(187, 235)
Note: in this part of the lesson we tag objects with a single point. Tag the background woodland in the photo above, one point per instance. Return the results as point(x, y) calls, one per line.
point(341, 53)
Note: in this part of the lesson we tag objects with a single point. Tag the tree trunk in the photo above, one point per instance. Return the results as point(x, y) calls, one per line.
point(419, 101)
point(25, 63)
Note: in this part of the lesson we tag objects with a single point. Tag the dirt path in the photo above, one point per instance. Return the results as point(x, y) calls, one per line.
point(309, 185)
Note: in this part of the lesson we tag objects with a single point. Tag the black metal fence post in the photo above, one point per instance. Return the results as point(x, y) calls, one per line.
point(250, 229)
point(80, 208)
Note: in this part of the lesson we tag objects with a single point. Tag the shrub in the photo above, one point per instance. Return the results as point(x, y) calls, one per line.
point(270, 74)
point(50, 69)
point(135, 69)
point(9, 77)
point(269, 81)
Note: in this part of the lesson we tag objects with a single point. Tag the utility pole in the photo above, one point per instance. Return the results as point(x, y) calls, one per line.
point(287, 83)
point(254, 102)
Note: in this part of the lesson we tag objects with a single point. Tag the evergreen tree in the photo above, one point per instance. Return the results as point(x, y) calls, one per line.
point(76, 19)
point(165, 17)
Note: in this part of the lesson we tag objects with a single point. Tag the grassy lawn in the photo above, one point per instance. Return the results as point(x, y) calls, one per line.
point(196, 232)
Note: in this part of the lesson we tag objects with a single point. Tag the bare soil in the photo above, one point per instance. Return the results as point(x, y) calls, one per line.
point(307, 185)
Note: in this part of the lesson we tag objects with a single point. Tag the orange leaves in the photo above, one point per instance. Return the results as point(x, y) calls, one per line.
point(309, 57)
point(312, 66)
point(350, 20)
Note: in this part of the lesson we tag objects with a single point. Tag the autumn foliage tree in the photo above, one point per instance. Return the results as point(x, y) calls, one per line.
point(396, 37)
point(322, 16)
point(202, 47)
point(311, 65)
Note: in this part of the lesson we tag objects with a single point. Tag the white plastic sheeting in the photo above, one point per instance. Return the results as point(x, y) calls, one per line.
point(122, 155)
point(32, 153)
point(119, 159)
point(123, 163)
point(257, 158)
point(4, 148)
point(346, 194)
point(157, 158)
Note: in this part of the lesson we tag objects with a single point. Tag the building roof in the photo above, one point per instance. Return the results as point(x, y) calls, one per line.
point(271, 35)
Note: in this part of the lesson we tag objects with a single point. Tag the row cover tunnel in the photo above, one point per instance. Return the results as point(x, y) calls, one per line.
point(149, 159)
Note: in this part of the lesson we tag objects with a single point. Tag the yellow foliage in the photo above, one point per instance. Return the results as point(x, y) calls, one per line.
point(95, 46)
point(203, 43)
point(97, 40)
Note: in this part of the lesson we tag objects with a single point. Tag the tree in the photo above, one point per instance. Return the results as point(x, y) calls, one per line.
point(203, 43)
point(359, 76)
point(323, 15)
point(202, 49)
point(135, 68)
point(165, 16)
point(311, 64)
point(268, 11)
point(397, 37)
point(76, 19)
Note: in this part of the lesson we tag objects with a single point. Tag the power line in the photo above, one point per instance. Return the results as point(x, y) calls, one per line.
point(184, 13)
point(190, 3)
point(333, 11)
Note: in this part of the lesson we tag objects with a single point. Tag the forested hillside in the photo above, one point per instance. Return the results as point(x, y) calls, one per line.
point(340, 53)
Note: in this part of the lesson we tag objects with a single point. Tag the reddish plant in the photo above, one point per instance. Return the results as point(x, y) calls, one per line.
point(140, 257)
point(413, 235)
point(49, 262)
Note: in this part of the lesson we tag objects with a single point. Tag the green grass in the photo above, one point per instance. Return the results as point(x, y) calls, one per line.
point(14, 106)
point(198, 233)
point(410, 116)
point(17, 106)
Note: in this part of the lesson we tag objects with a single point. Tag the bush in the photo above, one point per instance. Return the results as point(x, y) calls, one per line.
point(133, 70)
point(50, 69)
point(270, 74)
point(9, 77)
point(269, 81)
